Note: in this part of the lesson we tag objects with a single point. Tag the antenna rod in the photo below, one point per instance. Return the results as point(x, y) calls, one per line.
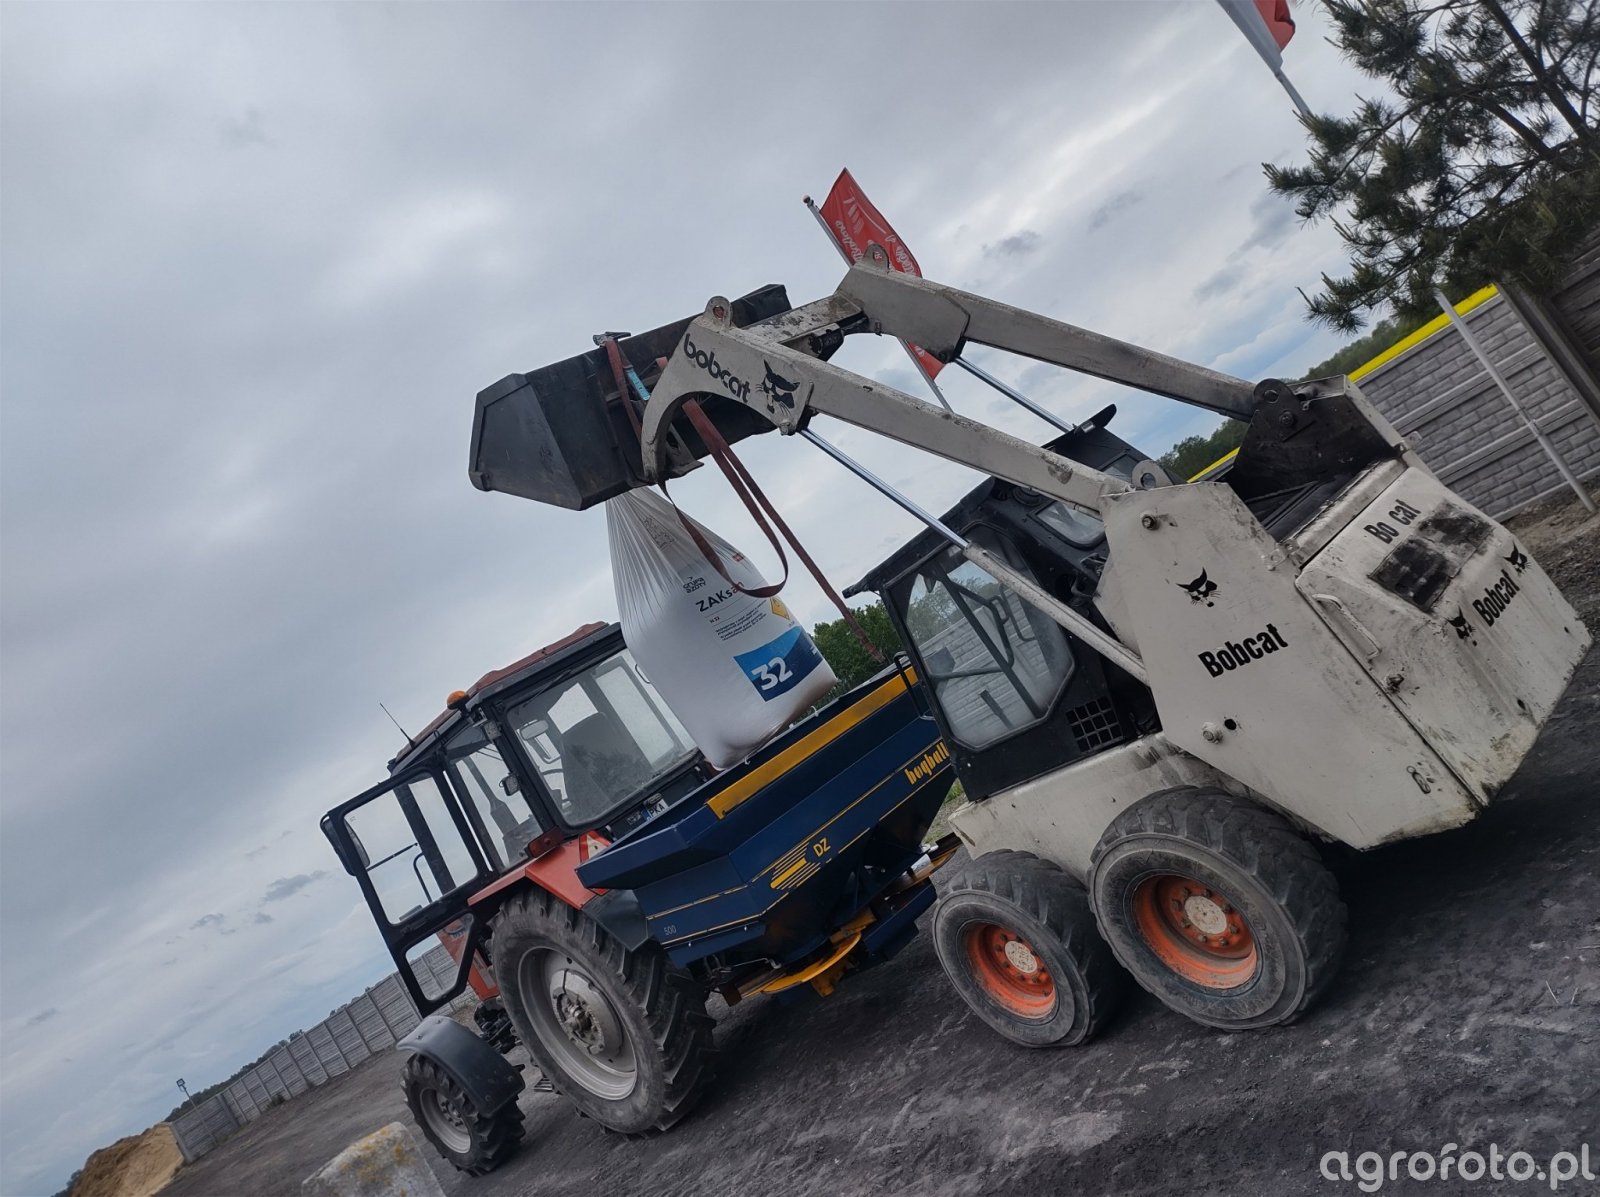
point(396, 723)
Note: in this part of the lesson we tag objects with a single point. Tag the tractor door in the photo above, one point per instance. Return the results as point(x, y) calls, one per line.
point(413, 852)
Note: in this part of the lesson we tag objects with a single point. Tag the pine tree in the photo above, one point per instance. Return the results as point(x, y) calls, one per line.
point(846, 655)
point(1483, 164)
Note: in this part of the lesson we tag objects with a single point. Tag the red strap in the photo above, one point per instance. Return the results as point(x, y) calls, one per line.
point(721, 453)
point(745, 485)
point(624, 392)
point(749, 492)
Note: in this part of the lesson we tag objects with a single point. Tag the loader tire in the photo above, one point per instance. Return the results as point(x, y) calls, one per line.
point(623, 1035)
point(1017, 940)
point(475, 1143)
point(1218, 907)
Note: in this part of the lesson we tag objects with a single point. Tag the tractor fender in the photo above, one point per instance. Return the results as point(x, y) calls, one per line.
point(486, 1076)
point(618, 912)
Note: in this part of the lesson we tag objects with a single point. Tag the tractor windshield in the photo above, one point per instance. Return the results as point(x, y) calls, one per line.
point(600, 740)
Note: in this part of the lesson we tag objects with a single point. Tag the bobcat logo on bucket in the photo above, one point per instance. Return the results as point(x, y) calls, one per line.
point(1462, 625)
point(1518, 559)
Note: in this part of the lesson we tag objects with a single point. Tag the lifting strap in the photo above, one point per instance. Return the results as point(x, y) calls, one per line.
point(750, 493)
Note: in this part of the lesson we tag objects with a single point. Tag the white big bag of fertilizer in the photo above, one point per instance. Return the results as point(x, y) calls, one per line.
point(735, 669)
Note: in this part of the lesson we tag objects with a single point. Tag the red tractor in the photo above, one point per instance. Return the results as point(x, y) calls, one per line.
point(595, 880)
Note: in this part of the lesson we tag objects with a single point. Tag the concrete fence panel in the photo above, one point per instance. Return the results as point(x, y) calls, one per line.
point(362, 1028)
point(1436, 392)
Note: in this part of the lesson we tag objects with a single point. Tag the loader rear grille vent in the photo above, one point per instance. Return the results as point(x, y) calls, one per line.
point(1095, 724)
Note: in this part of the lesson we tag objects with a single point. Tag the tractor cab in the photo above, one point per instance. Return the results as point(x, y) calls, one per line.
point(1015, 693)
point(571, 739)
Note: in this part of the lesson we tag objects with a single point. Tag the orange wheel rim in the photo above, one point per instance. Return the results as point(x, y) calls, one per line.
point(1009, 970)
point(1195, 930)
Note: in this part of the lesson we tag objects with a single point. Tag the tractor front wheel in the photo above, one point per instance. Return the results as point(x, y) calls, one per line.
point(1218, 907)
point(1018, 943)
point(475, 1143)
point(623, 1035)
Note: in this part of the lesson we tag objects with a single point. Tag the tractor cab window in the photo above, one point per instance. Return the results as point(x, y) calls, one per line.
point(503, 811)
point(995, 663)
point(411, 848)
point(600, 740)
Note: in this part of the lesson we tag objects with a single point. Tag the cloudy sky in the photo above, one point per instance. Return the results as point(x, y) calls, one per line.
point(257, 261)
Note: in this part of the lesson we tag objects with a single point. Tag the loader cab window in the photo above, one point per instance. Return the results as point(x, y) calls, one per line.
point(995, 663)
point(601, 740)
point(1075, 526)
point(413, 852)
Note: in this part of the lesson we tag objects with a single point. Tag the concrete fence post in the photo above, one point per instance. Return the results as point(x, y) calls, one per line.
point(327, 1024)
point(1527, 417)
point(382, 1017)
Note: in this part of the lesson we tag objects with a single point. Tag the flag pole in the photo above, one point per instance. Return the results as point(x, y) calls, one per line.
point(1253, 25)
point(915, 361)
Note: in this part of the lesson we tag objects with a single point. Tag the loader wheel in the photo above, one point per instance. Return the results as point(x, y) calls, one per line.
point(1016, 939)
point(623, 1035)
point(475, 1143)
point(1218, 907)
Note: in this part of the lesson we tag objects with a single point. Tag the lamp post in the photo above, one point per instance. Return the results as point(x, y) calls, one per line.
point(185, 1089)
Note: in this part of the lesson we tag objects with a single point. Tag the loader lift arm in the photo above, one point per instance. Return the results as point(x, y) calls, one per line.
point(776, 368)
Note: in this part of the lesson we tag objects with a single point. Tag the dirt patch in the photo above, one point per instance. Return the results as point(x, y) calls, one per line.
point(133, 1167)
point(1565, 539)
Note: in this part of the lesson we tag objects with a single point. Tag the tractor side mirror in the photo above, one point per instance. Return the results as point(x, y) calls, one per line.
point(352, 852)
point(510, 784)
point(941, 663)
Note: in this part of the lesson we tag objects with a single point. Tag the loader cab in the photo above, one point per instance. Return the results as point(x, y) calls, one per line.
point(570, 739)
point(1014, 693)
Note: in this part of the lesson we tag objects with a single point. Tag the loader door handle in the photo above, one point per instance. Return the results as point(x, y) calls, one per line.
point(1353, 624)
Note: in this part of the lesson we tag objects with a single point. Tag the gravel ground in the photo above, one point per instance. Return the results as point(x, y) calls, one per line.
point(1468, 1012)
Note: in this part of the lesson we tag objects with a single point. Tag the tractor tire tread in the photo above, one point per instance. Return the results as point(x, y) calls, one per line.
point(495, 1137)
point(671, 1002)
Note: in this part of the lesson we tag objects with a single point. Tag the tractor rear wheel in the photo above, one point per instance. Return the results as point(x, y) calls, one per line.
point(475, 1143)
point(1218, 907)
point(623, 1035)
point(1018, 942)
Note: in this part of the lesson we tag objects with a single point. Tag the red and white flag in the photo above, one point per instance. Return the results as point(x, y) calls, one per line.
point(1267, 25)
point(854, 223)
point(1279, 22)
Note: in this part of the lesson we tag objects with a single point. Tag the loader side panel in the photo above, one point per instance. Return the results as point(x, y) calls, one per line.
point(1446, 610)
point(1249, 677)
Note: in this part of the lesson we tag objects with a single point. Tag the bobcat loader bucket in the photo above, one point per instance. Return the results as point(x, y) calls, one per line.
point(561, 435)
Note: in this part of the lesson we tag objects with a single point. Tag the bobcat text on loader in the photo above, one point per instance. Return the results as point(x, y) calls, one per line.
point(1159, 698)
point(595, 880)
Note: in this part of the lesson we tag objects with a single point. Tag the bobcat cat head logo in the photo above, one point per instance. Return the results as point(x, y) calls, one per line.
point(1518, 559)
point(1201, 589)
point(1460, 623)
point(778, 388)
